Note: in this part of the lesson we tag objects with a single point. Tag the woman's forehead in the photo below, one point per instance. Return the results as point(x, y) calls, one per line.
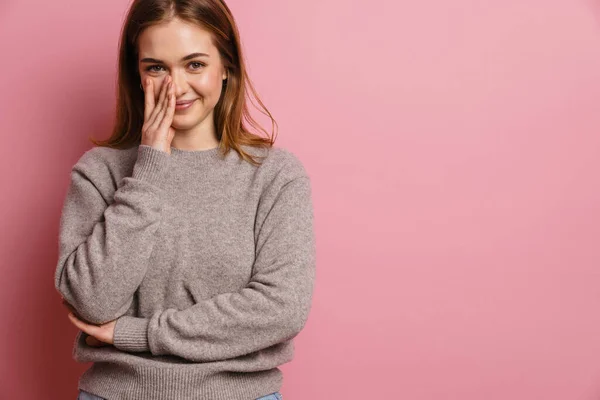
point(174, 39)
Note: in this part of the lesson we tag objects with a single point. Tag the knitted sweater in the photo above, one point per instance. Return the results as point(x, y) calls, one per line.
point(207, 263)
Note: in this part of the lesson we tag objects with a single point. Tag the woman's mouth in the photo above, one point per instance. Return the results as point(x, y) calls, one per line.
point(184, 104)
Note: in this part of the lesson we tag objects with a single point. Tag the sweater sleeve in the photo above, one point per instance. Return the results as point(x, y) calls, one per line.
point(103, 249)
point(273, 307)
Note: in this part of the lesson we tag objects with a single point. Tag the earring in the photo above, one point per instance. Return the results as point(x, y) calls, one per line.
point(141, 86)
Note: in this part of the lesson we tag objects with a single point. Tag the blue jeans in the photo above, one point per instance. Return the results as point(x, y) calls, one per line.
point(88, 396)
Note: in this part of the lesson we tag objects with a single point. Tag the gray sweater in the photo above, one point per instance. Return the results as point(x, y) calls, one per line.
point(206, 262)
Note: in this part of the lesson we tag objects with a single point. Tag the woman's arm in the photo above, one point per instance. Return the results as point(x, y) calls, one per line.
point(272, 308)
point(104, 249)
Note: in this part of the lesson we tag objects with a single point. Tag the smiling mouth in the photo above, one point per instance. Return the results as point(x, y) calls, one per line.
point(184, 105)
point(184, 102)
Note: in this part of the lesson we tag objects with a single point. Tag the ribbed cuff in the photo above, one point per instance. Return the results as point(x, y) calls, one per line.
point(131, 334)
point(151, 165)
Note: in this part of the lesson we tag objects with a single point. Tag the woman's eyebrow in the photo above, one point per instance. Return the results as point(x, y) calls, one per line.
point(188, 57)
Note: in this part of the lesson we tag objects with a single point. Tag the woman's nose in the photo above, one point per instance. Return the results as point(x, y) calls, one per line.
point(179, 85)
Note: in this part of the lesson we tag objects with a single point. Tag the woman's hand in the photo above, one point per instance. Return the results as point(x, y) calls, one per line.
point(99, 335)
point(158, 115)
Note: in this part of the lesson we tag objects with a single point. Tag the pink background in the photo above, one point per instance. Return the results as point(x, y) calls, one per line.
point(454, 149)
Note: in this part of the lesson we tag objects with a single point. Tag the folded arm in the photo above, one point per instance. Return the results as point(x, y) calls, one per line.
point(273, 307)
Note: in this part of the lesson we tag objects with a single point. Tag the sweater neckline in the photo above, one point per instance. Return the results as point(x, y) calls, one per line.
point(211, 154)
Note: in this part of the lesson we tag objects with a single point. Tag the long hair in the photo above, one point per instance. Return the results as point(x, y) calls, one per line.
point(231, 111)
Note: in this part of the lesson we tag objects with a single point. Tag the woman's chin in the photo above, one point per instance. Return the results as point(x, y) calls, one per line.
point(181, 124)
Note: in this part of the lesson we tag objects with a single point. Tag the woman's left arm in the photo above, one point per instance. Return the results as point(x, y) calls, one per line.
point(272, 308)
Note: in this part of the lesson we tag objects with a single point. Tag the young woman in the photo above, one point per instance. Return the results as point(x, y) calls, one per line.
point(186, 250)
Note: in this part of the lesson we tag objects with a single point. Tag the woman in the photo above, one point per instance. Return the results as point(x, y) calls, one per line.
point(187, 251)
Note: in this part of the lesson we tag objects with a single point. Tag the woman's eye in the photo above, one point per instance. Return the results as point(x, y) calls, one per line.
point(196, 65)
point(153, 66)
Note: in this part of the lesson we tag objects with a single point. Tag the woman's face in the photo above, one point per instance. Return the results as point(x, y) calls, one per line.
point(184, 51)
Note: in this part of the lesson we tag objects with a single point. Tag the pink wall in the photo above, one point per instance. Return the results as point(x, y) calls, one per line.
point(454, 149)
